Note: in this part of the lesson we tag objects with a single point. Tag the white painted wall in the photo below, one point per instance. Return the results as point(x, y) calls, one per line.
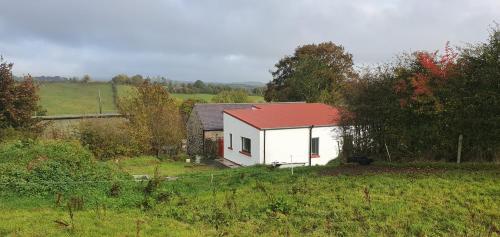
point(240, 129)
point(292, 145)
point(282, 145)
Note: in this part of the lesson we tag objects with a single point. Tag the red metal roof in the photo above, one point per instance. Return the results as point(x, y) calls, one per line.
point(272, 116)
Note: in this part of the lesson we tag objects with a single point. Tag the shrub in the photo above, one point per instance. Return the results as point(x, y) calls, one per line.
point(108, 138)
point(41, 168)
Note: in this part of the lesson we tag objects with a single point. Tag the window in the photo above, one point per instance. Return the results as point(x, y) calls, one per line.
point(246, 145)
point(315, 146)
point(230, 141)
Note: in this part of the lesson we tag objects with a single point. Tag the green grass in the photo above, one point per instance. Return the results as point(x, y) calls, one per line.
point(63, 98)
point(258, 201)
point(148, 164)
point(75, 98)
point(124, 90)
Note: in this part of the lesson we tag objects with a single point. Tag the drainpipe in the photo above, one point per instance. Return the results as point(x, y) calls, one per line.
point(310, 141)
point(264, 147)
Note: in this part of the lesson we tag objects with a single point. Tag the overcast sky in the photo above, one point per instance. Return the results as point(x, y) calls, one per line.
point(227, 40)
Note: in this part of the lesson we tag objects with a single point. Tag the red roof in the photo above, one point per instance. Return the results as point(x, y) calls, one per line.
point(271, 116)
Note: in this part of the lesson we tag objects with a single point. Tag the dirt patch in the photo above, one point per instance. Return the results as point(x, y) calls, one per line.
point(352, 169)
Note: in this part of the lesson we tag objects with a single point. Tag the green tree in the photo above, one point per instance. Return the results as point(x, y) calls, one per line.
point(232, 96)
point(136, 80)
point(86, 78)
point(199, 85)
point(154, 118)
point(314, 73)
point(120, 79)
point(18, 100)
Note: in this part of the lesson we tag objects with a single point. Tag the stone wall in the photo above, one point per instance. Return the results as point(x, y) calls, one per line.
point(194, 135)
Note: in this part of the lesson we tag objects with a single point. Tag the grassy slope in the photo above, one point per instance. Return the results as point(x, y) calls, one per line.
point(125, 89)
point(60, 98)
point(75, 98)
point(259, 201)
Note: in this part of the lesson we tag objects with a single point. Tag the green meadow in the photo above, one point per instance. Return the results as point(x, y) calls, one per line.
point(383, 200)
point(60, 98)
point(63, 98)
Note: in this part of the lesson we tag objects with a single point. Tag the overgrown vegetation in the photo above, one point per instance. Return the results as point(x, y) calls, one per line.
point(154, 119)
point(109, 138)
point(233, 96)
point(31, 168)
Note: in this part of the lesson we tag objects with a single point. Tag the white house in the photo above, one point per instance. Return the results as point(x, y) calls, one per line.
point(299, 134)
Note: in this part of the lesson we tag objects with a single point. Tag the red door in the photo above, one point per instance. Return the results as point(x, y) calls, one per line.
point(220, 147)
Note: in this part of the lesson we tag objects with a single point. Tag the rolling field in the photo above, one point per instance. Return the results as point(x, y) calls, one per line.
point(62, 98)
point(76, 98)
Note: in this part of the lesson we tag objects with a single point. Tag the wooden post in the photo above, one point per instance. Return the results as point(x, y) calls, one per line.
point(100, 102)
point(459, 152)
point(388, 154)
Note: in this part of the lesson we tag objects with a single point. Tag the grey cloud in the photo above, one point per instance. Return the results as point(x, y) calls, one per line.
point(223, 40)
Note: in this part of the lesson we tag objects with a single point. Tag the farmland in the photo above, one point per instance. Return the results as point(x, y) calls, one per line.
point(75, 98)
point(407, 200)
point(59, 98)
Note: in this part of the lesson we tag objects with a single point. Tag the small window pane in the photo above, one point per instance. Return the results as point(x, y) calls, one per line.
point(245, 144)
point(315, 146)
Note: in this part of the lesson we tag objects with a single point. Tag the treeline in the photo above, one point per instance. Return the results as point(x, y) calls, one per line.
point(171, 85)
point(414, 108)
point(186, 87)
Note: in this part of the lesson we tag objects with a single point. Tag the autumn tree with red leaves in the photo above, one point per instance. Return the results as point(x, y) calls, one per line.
point(420, 89)
point(18, 100)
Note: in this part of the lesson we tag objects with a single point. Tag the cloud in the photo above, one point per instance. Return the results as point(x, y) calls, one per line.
point(223, 40)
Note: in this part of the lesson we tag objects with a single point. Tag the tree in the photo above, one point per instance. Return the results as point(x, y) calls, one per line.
point(86, 78)
point(154, 118)
point(18, 100)
point(314, 73)
point(418, 107)
point(199, 85)
point(136, 80)
point(120, 79)
point(233, 96)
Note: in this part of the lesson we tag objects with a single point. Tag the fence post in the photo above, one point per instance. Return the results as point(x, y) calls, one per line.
point(100, 104)
point(459, 152)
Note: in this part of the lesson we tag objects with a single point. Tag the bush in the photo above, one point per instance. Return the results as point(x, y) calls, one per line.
point(108, 138)
point(41, 168)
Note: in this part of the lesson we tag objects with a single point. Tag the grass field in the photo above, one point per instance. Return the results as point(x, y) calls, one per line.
point(148, 164)
point(75, 98)
point(381, 200)
point(62, 98)
point(124, 90)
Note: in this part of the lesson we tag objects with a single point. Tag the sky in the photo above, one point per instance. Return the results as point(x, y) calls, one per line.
point(224, 40)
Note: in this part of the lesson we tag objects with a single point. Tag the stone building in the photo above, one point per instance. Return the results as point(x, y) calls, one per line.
point(205, 127)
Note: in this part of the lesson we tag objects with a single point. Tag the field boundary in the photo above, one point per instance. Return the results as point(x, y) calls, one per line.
point(79, 116)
